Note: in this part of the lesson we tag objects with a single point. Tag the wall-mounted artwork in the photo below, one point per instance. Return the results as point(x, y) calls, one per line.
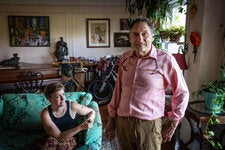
point(29, 31)
point(121, 39)
point(98, 33)
point(124, 24)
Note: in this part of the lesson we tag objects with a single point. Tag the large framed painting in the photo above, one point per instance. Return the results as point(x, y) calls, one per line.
point(29, 31)
point(98, 33)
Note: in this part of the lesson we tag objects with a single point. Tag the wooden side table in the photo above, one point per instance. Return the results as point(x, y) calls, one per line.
point(198, 113)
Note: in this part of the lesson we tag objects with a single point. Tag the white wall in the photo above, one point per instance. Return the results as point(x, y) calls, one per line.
point(207, 22)
point(66, 21)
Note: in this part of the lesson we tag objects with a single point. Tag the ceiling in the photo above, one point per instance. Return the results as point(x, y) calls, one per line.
point(65, 2)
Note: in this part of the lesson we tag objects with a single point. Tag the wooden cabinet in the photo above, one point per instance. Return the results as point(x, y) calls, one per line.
point(9, 76)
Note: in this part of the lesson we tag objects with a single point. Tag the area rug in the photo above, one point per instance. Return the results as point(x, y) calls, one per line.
point(109, 145)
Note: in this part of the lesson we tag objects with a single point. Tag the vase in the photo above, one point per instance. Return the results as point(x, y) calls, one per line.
point(208, 101)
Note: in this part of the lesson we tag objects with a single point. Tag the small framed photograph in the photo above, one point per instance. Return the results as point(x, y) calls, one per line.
point(121, 39)
point(124, 24)
point(29, 31)
point(98, 33)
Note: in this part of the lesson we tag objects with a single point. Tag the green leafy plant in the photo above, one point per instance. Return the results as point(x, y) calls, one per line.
point(217, 87)
point(157, 10)
point(164, 34)
point(175, 32)
point(209, 134)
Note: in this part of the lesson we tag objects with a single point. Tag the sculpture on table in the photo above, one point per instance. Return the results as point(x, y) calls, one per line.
point(61, 50)
point(13, 61)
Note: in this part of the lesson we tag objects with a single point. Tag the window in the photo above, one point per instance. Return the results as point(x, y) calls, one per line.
point(176, 20)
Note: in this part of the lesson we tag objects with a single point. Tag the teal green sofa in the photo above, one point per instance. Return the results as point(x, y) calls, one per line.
point(21, 129)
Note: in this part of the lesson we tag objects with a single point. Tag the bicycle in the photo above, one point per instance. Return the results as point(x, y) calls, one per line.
point(102, 89)
point(68, 71)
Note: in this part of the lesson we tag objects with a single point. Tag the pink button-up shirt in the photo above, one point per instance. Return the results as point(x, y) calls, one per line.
point(141, 84)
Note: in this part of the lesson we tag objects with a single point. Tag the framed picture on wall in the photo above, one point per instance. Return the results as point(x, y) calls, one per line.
point(121, 39)
point(98, 33)
point(29, 31)
point(124, 24)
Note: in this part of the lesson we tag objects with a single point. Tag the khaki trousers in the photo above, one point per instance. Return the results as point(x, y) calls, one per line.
point(136, 134)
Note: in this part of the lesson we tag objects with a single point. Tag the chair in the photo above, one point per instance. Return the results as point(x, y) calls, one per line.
point(31, 82)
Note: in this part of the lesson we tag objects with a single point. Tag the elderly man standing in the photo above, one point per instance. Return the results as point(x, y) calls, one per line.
point(138, 101)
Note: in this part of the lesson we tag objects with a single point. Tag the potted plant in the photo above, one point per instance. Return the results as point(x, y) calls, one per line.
point(157, 10)
point(171, 34)
point(164, 34)
point(213, 94)
point(175, 32)
point(214, 103)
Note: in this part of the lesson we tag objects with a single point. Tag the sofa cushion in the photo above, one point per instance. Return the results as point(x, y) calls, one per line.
point(81, 97)
point(22, 111)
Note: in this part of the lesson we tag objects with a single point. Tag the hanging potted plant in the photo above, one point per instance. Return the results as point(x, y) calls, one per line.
point(172, 34)
point(164, 34)
point(176, 32)
point(156, 10)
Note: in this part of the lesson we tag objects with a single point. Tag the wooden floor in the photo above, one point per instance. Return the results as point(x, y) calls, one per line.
point(104, 116)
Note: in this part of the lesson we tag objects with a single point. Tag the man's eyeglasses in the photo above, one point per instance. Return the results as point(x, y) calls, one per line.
point(154, 71)
point(156, 68)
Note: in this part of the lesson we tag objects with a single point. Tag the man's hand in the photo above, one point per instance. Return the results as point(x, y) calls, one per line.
point(110, 128)
point(168, 130)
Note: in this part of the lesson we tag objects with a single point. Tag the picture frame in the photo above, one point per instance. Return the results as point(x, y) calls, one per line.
point(98, 32)
point(121, 39)
point(29, 31)
point(124, 24)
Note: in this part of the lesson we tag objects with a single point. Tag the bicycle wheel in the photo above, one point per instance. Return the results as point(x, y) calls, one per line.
point(101, 91)
point(70, 86)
